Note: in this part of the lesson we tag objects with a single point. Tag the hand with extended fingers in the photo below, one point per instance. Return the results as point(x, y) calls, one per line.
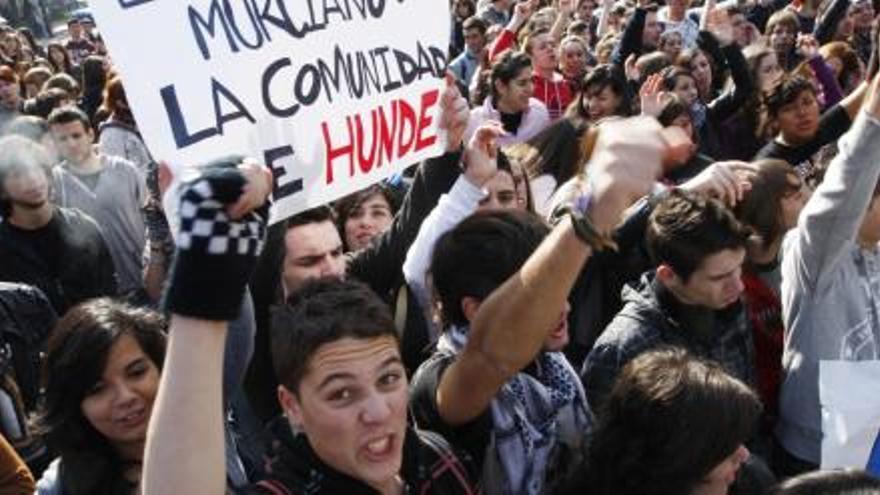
point(652, 97)
point(481, 154)
point(521, 14)
point(726, 181)
point(631, 69)
point(454, 114)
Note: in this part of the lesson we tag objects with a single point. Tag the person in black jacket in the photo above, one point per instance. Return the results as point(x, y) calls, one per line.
point(641, 35)
point(794, 108)
point(713, 109)
point(596, 297)
point(691, 300)
point(335, 350)
point(58, 250)
point(26, 318)
point(308, 246)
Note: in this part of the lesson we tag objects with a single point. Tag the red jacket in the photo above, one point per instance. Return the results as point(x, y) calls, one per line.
point(765, 315)
point(555, 94)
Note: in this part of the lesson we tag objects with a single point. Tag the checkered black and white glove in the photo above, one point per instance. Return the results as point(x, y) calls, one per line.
point(215, 255)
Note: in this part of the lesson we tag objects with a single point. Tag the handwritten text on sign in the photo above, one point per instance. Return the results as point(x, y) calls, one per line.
point(333, 95)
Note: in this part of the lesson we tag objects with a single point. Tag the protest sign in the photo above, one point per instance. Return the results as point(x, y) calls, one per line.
point(332, 95)
point(850, 421)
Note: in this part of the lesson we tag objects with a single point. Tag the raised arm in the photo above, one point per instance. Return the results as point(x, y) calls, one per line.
point(506, 39)
point(603, 18)
point(631, 39)
point(831, 219)
point(826, 27)
point(563, 19)
point(730, 102)
point(809, 50)
point(743, 87)
point(379, 264)
point(511, 324)
point(462, 200)
point(185, 442)
point(852, 102)
point(704, 14)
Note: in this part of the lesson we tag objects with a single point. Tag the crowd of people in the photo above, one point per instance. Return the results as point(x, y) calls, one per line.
point(649, 226)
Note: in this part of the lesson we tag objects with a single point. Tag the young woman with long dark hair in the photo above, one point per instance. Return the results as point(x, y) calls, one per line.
point(102, 374)
point(59, 58)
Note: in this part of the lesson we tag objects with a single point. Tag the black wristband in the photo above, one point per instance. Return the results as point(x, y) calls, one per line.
point(586, 231)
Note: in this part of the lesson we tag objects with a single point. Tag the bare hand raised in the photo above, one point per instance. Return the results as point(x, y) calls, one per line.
point(256, 190)
point(653, 98)
point(627, 160)
point(454, 114)
point(481, 155)
point(726, 181)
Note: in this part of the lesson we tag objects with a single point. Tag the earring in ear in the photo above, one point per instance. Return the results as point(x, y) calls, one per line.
point(295, 427)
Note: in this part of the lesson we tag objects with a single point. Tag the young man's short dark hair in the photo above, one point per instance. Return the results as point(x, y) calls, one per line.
point(786, 92)
point(318, 214)
point(478, 255)
point(686, 228)
point(837, 481)
point(321, 312)
point(475, 22)
point(65, 82)
point(45, 102)
point(68, 114)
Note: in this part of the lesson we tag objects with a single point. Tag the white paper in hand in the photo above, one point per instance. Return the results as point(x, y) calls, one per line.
point(850, 413)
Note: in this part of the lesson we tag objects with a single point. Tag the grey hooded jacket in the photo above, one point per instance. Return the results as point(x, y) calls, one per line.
point(830, 287)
